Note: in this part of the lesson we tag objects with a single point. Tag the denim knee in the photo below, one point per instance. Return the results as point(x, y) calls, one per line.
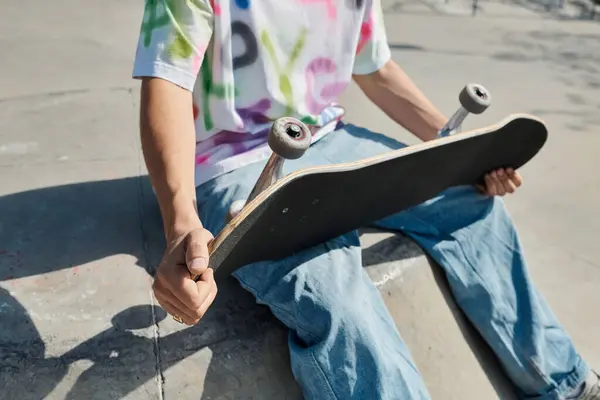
point(321, 290)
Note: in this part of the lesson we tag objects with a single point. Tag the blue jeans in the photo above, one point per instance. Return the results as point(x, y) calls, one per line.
point(343, 342)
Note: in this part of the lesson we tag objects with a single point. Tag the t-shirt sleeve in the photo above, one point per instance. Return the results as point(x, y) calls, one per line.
point(372, 51)
point(173, 39)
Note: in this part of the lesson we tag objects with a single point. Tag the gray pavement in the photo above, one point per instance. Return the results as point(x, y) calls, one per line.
point(79, 228)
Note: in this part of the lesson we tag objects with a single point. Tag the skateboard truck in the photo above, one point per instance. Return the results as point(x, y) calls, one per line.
point(288, 139)
point(474, 99)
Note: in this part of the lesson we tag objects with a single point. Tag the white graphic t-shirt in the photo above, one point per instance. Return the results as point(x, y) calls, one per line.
point(249, 62)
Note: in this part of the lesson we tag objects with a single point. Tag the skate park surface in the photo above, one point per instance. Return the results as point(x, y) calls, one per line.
point(80, 231)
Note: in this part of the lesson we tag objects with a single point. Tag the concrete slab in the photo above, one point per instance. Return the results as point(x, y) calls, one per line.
point(74, 292)
point(50, 53)
point(514, 9)
point(85, 126)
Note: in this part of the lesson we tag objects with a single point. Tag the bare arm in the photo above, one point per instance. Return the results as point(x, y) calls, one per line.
point(168, 69)
point(392, 90)
point(397, 96)
point(168, 143)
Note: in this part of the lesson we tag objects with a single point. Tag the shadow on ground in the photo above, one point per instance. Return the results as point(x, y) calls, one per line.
point(245, 346)
point(243, 330)
point(48, 229)
point(54, 228)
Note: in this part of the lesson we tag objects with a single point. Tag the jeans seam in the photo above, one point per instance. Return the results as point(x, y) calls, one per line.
point(505, 322)
point(320, 369)
point(281, 309)
point(483, 283)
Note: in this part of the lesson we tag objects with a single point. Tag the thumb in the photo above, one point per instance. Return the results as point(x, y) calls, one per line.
point(196, 251)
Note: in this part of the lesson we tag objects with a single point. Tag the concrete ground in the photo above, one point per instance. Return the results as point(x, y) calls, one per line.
point(79, 227)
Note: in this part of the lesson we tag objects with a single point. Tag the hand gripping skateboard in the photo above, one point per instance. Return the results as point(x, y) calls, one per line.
point(284, 215)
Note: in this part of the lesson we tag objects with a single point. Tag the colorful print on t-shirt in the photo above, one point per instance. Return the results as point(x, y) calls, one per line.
point(249, 62)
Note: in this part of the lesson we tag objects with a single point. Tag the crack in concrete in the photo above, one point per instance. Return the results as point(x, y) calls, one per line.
point(67, 92)
point(160, 378)
point(67, 161)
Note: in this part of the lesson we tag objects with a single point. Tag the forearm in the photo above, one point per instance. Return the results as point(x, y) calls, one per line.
point(392, 90)
point(168, 144)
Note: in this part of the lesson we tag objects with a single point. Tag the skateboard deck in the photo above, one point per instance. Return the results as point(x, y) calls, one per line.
point(316, 204)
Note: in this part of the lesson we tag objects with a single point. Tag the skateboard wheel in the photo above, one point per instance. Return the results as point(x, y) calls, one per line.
point(475, 98)
point(289, 138)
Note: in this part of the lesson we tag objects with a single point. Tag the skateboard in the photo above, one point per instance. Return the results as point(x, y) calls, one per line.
point(287, 214)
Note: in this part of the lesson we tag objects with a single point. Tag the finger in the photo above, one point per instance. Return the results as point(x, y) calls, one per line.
point(499, 187)
point(207, 302)
point(179, 283)
point(507, 184)
point(209, 299)
point(208, 286)
point(173, 311)
point(515, 177)
point(490, 185)
point(206, 283)
point(207, 291)
point(172, 305)
point(191, 314)
point(196, 252)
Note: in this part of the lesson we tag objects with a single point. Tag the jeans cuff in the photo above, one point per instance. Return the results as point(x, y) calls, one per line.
point(569, 383)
